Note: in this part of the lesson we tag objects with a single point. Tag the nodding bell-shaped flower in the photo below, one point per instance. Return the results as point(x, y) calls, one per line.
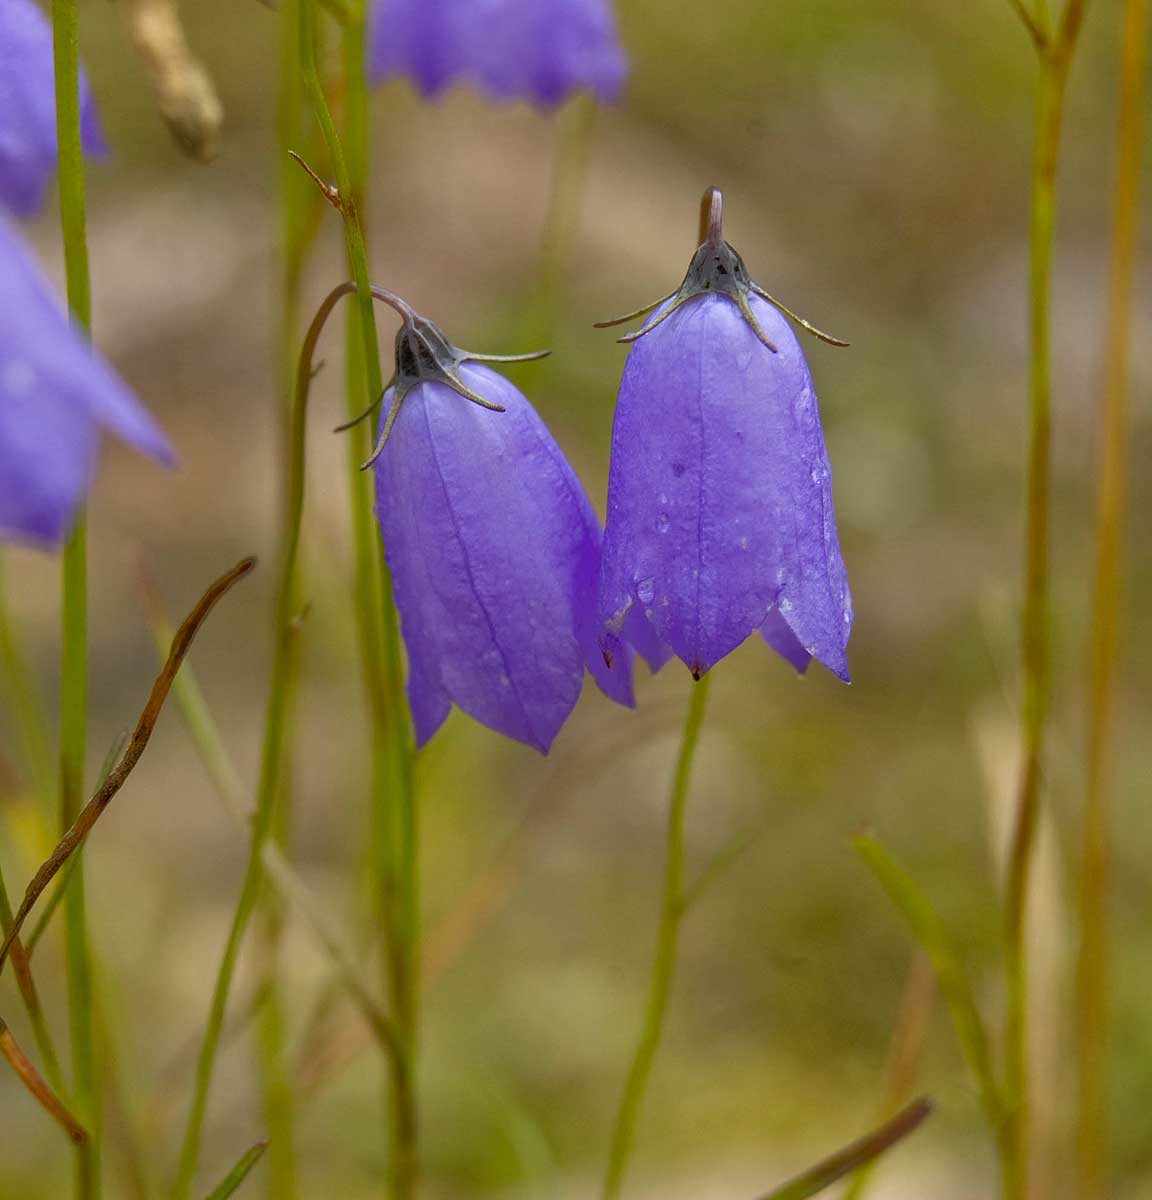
point(493, 546)
point(720, 518)
point(56, 397)
point(535, 50)
point(28, 108)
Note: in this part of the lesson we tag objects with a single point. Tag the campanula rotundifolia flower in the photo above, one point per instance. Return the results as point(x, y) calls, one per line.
point(720, 518)
point(492, 544)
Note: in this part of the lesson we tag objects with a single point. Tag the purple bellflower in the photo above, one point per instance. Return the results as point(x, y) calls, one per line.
point(492, 543)
point(535, 50)
point(28, 108)
point(56, 396)
point(720, 518)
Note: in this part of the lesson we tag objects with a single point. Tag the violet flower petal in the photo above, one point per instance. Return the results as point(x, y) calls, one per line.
point(719, 495)
point(779, 636)
point(536, 50)
point(56, 394)
point(28, 108)
point(47, 456)
point(493, 550)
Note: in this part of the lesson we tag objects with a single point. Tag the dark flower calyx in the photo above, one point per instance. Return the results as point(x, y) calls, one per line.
point(425, 355)
point(716, 267)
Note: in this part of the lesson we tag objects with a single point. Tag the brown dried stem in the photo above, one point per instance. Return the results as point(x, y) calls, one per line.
point(41, 1092)
point(141, 735)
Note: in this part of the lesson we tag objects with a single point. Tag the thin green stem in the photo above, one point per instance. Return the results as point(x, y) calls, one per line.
point(232, 1181)
point(664, 962)
point(1036, 30)
point(31, 998)
point(74, 647)
point(37, 758)
point(1055, 62)
point(855, 1157)
point(225, 776)
point(395, 833)
point(295, 237)
point(1094, 967)
point(275, 733)
point(20, 692)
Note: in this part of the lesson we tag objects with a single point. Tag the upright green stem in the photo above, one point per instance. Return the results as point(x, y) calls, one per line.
point(279, 1107)
point(1055, 60)
point(74, 647)
point(395, 830)
point(21, 695)
point(31, 997)
point(1094, 973)
point(37, 758)
point(664, 963)
point(275, 734)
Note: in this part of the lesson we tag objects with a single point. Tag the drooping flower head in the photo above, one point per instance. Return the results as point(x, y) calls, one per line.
point(28, 108)
point(535, 50)
point(720, 518)
point(56, 398)
point(493, 546)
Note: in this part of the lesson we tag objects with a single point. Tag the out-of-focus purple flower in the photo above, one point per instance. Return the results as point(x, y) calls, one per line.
point(720, 518)
point(28, 108)
point(493, 546)
point(536, 50)
point(56, 397)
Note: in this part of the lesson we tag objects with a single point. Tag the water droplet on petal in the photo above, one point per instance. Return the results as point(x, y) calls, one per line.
point(645, 590)
point(662, 523)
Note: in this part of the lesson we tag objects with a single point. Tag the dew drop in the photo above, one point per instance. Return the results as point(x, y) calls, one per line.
point(662, 523)
point(645, 590)
point(785, 605)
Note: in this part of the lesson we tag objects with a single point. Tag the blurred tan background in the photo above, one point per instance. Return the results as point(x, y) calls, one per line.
point(874, 159)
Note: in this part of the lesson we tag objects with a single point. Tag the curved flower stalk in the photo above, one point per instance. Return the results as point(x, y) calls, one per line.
point(56, 397)
point(536, 50)
point(28, 108)
point(492, 544)
point(720, 517)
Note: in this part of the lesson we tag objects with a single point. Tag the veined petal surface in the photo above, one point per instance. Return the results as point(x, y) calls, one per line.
point(494, 550)
point(719, 496)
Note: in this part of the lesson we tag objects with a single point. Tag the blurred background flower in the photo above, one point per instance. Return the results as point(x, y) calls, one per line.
point(56, 399)
point(28, 108)
point(536, 50)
